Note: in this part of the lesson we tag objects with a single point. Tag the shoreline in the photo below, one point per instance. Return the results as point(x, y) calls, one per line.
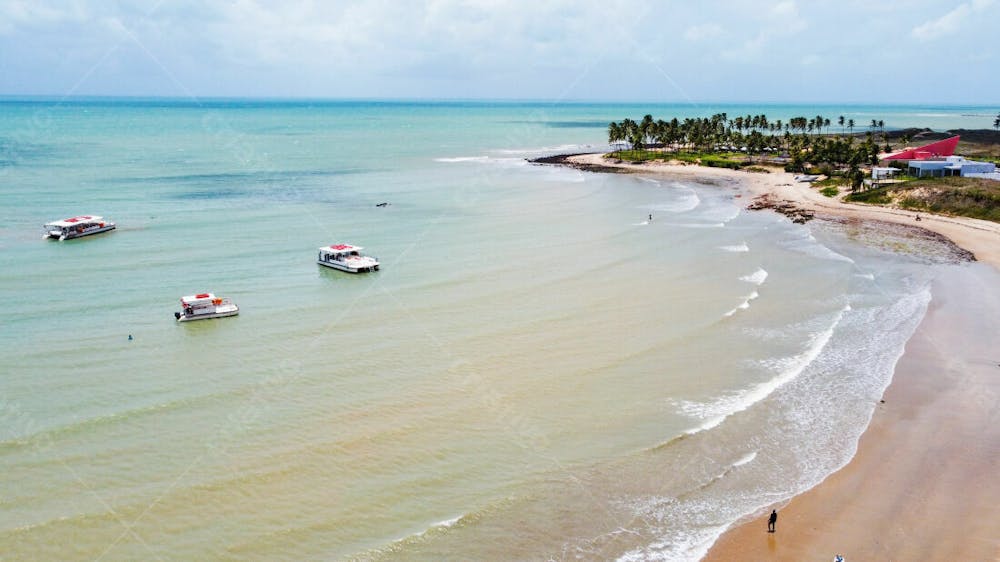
point(920, 484)
point(980, 238)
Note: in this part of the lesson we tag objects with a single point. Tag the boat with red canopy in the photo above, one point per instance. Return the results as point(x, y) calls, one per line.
point(346, 257)
point(76, 227)
point(205, 305)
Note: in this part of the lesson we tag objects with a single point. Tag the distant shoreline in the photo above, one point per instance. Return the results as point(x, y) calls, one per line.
point(978, 237)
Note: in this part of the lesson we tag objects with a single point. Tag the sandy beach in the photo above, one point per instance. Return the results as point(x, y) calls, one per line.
point(982, 238)
point(922, 485)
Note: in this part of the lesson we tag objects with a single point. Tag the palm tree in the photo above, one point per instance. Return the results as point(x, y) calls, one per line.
point(646, 127)
point(840, 121)
point(996, 122)
point(826, 123)
point(629, 130)
point(850, 125)
point(614, 133)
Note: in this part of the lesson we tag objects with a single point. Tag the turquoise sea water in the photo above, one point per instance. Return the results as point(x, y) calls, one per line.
point(537, 371)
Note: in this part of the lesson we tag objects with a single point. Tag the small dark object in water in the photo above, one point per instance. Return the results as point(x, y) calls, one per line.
point(130, 337)
point(385, 204)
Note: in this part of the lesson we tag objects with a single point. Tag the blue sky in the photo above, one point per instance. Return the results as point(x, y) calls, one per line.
point(918, 51)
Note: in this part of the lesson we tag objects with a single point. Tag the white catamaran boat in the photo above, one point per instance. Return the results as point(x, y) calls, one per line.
point(346, 257)
point(205, 305)
point(75, 227)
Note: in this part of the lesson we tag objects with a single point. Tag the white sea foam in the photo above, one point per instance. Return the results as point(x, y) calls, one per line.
point(448, 522)
point(463, 159)
point(440, 525)
point(868, 276)
point(701, 224)
point(483, 160)
point(757, 277)
point(564, 175)
point(688, 201)
point(744, 305)
point(685, 524)
point(691, 544)
point(745, 459)
point(742, 247)
point(732, 213)
point(544, 149)
point(810, 246)
point(787, 368)
point(822, 251)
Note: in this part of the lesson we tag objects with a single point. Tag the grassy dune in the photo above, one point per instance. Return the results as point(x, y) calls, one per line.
point(966, 197)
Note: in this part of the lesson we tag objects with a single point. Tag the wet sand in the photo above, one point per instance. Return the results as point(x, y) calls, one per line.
point(980, 237)
point(923, 484)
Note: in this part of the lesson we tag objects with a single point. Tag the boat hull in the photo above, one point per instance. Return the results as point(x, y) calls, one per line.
point(72, 235)
point(219, 313)
point(347, 268)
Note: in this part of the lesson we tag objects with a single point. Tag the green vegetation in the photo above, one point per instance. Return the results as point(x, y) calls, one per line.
point(834, 181)
point(718, 160)
point(805, 145)
point(878, 196)
point(640, 155)
point(721, 162)
point(967, 197)
point(801, 144)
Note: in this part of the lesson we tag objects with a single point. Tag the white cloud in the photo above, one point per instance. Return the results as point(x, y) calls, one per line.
point(474, 48)
point(703, 31)
point(26, 13)
point(951, 22)
point(786, 15)
point(781, 21)
point(784, 8)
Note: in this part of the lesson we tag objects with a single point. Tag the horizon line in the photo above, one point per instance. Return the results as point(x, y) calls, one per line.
point(484, 100)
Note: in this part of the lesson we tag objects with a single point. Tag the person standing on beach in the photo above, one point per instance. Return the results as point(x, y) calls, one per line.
point(772, 520)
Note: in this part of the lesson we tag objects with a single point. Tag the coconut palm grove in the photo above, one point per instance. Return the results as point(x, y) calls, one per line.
point(800, 144)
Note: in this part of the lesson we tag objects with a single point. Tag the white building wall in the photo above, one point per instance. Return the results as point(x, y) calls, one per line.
point(990, 176)
point(978, 168)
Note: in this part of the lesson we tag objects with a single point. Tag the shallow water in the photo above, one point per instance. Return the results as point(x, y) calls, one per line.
point(538, 371)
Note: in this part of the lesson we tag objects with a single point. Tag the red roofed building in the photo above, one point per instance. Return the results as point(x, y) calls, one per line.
point(937, 149)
